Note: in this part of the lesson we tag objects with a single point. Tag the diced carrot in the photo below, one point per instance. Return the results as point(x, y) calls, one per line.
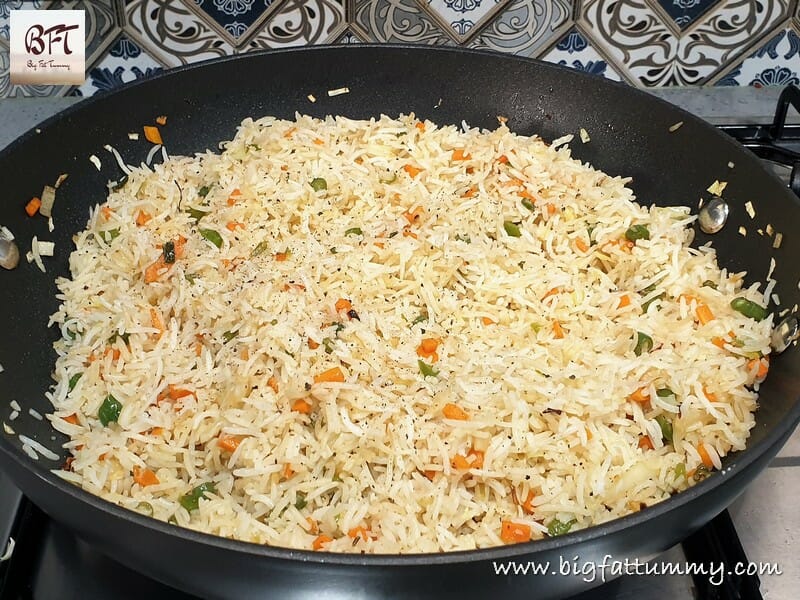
point(624, 301)
point(514, 533)
point(173, 393)
point(343, 304)
point(142, 218)
point(313, 527)
point(552, 292)
point(144, 477)
point(106, 212)
point(281, 256)
point(413, 216)
point(288, 471)
point(452, 411)
point(180, 243)
point(320, 541)
point(645, 443)
point(704, 456)
point(487, 321)
point(712, 397)
point(290, 132)
point(588, 434)
point(429, 474)
point(581, 245)
point(312, 344)
point(502, 159)
point(198, 348)
point(155, 319)
point(161, 120)
point(333, 375)
point(360, 532)
point(719, 342)
point(33, 206)
point(558, 331)
point(234, 225)
point(152, 134)
point(704, 314)
point(427, 348)
point(421, 126)
point(408, 233)
point(412, 170)
point(470, 192)
point(475, 458)
point(526, 194)
point(458, 154)
point(73, 419)
point(641, 395)
point(301, 406)
point(153, 272)
point(762, 364)
point(689, 298)
point(114, 352)
point(319, 142)
point(551, 208)
point(156, 430)
point(103, 456)
point(273, 383)
point(229, 443)
point(460, 462)
point(527, 506)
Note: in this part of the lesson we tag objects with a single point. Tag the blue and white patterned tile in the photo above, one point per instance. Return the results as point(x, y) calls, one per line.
point(686, 12)
point(462, 16)
point(236, 17)
point(125, 62)
point(396, 21)
point(349, 37)
point(173, 34)
point(575, 51)
point(777, 62)
point(301, 23)
point(6, 6)
point(525, 27)
point(649, 52)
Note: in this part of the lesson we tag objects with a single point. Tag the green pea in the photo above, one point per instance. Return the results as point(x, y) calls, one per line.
point(637, 232)
point(319, 184)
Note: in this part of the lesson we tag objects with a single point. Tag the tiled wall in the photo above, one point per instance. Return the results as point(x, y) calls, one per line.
point(644, 42)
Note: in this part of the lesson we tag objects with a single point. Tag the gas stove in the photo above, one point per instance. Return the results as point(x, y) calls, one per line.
point(42, 560)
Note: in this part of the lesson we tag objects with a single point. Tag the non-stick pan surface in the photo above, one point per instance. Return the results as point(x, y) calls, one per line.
point(631, 134)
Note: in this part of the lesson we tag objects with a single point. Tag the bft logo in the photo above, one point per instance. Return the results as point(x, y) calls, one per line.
point(47, 47)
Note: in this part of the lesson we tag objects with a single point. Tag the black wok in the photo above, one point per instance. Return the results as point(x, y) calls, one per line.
point(630, 135)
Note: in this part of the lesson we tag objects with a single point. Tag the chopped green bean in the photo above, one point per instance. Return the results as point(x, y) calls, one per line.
point(749, 308)
point(212, 236)
point(191, 501)
point(512, 229)
point(319, 184)
point(644, 343)
point(427, 370)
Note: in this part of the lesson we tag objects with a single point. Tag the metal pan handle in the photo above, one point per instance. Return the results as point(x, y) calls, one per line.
point(790, 96)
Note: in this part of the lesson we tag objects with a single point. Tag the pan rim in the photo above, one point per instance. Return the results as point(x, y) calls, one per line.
point(740, 461)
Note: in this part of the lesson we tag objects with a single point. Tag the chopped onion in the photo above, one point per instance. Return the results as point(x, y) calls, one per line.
point(48, 198)
point(46, 248)
point(748, 206)
point(584, 135)
point(60, 180)
point(339, 91)
point(778, 240)
point(312, 98)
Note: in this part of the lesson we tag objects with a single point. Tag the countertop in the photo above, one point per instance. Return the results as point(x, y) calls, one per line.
point(766, 514)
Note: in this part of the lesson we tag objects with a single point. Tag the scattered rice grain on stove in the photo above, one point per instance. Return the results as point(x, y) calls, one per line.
point(446, 296)
point(8, 429)
point(15, 405)
point(95, 161)
point(30, 451)
point(776, 243)
point(14, 414)
point(742, 230)
point(35, 414)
